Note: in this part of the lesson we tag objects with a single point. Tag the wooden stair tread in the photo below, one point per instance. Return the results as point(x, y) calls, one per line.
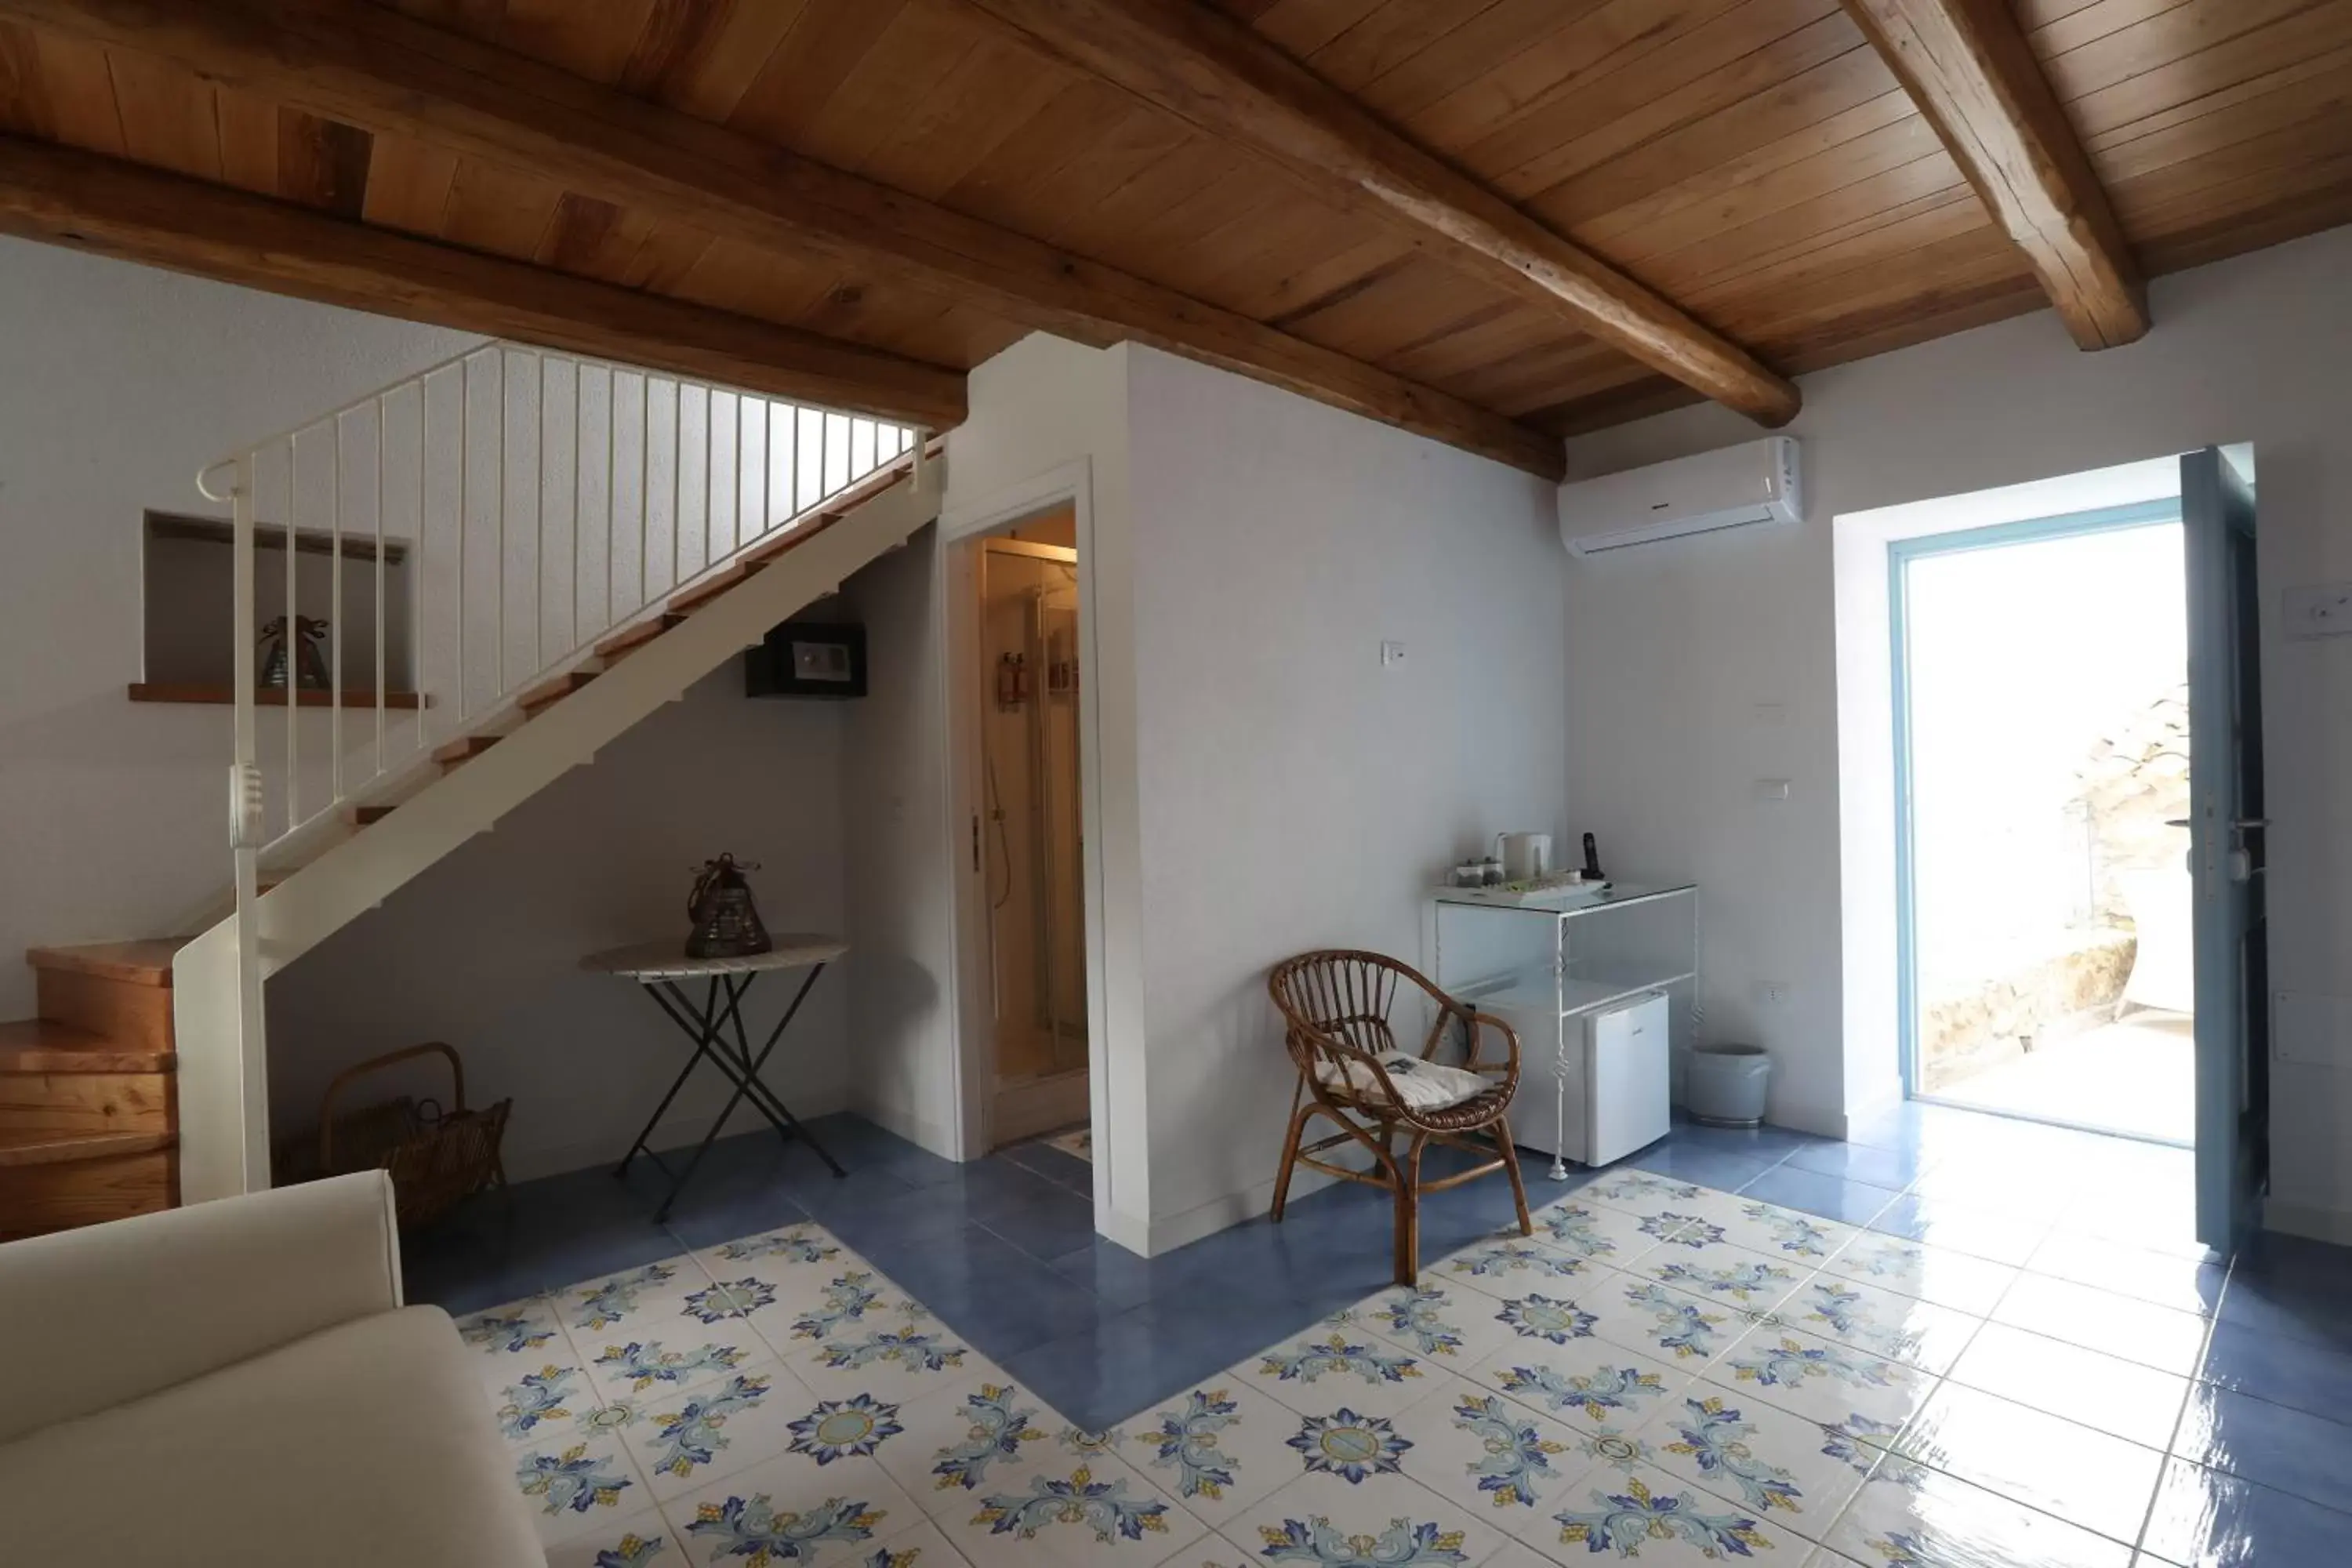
point(710, 587)
point(553, 689)
point(46, 1045)
point(366, 815)
point(44, 1148)
point(132, 962)
point(464, 746)
point(629, 638)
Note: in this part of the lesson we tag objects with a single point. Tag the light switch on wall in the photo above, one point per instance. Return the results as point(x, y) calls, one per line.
point(1392, 654)
point(1771, 789)
point(2319, 611)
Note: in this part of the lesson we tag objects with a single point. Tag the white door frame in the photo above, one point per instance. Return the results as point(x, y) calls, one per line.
point(962, 530)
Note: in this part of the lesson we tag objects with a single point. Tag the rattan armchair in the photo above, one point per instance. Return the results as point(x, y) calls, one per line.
point(1336, 1008)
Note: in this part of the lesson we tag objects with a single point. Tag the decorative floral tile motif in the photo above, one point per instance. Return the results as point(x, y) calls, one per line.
point(1215, 1449)
point(848, 1428)
point(648, 1368)
point(1387, 1520)
point(1765, 1460)
point(1889, 1326)
point(1445, 1327)
point(1722, 1272)
point(1936, 1274)
point(1591, 1385)
point(688, 1440)
point(1091, 1511)
point(1823, 1380)
point(1652, 1517)
point(1789, 1236)
point(1594, 1232)
point(577, 1483)
point(1351, 1447)
point(641, 1540)
point(1640, 1192)
point(2101, 1483)
point(1656, 1319)
point(849, 1300)
point(793, 1509)
point(794, 1244)
point(1932, 1518)
point(537, 1401)
point(1486, 1453)
point(1333, 1366)
point(1509, 1266)
point(968, 1435)
point(900, 1357)
point(653, 1294)
point(1554, 1320)
point(522, 1335)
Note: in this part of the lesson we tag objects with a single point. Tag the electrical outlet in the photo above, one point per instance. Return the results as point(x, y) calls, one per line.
point(1392, 654)
point(2319, 611)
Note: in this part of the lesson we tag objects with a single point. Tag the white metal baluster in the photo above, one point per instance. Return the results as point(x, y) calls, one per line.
point(579, 417)
point(677, 477)
point(498, 577)
point(709, 472)
point(465, 499)
point(248, 827)
point(291, 646)
point(645, 488)
point(735, 499)
point(767, 463)
point(382, 569)
point(612, 478)
point(539, 546)
point(793, 465)
point(416, 574)
point(335, 615)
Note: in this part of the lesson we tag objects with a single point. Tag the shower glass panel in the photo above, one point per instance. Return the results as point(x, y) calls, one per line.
point(1030, 733)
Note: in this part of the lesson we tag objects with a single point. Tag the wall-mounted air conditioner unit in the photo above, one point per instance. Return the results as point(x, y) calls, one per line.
point(1758, 482)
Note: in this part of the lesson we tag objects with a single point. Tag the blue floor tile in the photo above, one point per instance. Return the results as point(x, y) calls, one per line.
point(1708, 1167)
point(2208, 1518)
point(1832, 1197)
point(1892, 1168)
point(2255, 1440)
point(2300, 1374)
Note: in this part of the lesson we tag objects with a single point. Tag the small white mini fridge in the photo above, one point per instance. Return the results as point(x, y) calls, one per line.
point(1625, 1079)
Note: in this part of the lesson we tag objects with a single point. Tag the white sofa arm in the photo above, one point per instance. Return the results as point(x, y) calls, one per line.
point(119, 1311)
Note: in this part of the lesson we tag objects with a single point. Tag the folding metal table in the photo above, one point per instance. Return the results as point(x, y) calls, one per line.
point(715, 1027)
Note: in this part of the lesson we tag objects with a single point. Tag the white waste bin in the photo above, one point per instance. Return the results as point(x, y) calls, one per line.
point(1725, 1085)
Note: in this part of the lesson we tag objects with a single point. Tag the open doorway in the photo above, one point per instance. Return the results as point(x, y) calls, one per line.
point(2042, 782)
point(1032, 842)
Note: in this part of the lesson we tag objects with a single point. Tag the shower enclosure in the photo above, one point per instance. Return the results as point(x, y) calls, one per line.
point(1034, 851)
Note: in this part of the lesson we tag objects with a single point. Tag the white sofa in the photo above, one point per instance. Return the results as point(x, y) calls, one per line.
point(238, 1383)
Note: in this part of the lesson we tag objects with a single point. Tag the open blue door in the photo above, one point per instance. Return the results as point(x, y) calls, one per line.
point(2226, 841)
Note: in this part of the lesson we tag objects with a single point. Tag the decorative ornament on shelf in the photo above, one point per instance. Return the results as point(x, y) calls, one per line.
point(726, 921)
point(310, 664)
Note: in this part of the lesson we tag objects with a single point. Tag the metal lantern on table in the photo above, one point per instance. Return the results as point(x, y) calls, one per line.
point(726, 921)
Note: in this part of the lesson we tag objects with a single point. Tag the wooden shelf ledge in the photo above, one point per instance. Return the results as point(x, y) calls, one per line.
point(270, 696)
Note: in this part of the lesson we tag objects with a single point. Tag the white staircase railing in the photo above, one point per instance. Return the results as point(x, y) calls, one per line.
point(466, 532)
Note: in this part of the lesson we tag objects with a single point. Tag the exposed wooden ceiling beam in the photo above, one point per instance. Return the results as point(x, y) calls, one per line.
point(368, 66)
point(1968, 67)
point(137, 214)
point(1221, 76)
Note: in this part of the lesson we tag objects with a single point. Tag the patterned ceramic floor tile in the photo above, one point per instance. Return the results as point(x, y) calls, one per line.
point(1659, 1320)
point(1641, 1194)
point(795, 1510)
point(1825, 1381)
point(958, 1439)
point(1327, 1367)
point(1888, 1325)
point(1448, 1327)
point(1611, 1515)
point(1781, 1467)
point(922, 1547)
point(663, 1297)
point(684, 1441)
point(1959, 1280)
point(798, 1260)
point(1217, 1449)
point(625, 1367)
point(2099, 1482)
point(1910, 1515)
point(1719, 1271)
point(2098, 1320)
point(1080, 1512)
point(1508, 1265)
point(1787, 1235)
point(1488, 1453)
point(2116, 1396)
point(577, 1483)
point(1596, 1232)
point(1327, 1520)
point(641, 1540)
point(900, 1357)
point(1589, 1384)
point(506, 1341)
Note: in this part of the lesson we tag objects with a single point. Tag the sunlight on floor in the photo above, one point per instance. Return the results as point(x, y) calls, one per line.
point(2134, 1077)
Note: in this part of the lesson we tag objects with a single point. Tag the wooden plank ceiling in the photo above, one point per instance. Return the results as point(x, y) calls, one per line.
point(1756, 162)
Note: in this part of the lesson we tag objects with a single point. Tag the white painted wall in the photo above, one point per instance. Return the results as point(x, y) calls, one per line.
point(1680, 656)
point(483, 949)
point(117, 383)
point(1295, 794)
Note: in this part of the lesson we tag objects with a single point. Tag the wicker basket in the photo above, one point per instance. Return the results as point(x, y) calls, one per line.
point(437, 1157)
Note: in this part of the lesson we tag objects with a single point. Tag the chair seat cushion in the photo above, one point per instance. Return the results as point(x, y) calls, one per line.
point(366, 1443)
point(1420, 1085)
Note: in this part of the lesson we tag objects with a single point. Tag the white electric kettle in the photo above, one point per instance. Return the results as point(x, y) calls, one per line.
point(1524, 856)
